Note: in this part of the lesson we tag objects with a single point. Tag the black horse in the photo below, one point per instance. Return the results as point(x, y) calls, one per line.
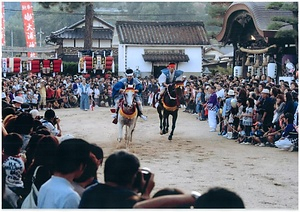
point(169, 105)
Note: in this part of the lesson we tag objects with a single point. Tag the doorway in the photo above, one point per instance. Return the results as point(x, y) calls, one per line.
point(157, 71)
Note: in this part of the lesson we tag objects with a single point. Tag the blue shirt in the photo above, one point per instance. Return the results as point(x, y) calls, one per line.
point(121, 84)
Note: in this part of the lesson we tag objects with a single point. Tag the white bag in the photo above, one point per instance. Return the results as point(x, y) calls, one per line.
point(284, 144)
point(31, 200)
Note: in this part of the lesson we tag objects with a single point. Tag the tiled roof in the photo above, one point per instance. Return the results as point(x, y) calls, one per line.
point(263, 16)
point(74, 32)
point(161, 57)
point(162, 33)
point(77, 33)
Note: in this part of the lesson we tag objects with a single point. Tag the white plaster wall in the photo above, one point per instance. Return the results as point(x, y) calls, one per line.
point(194, 65)
point(68, 43)
point(105, 43)
point(131, 57)
point(79, 43)
point(135, 58)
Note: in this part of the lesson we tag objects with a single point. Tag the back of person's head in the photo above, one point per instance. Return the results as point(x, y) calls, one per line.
point(49, 114)
point(97, 151)
point(36, 124)
point(42, 130)
point(219, 198)
point(120, 168)
point(90, 171)
point(45, 150)
point(12, 144)
point(31, 147)
point(167, 191)
point(7, 111)
point(24, 124)
point(71, 154)
point(171, 191)
point(9, 123)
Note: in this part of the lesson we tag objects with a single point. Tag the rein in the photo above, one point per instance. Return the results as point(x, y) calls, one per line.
point(171, 97)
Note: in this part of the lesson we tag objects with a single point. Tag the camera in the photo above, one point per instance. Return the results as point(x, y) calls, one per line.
point(146, 174)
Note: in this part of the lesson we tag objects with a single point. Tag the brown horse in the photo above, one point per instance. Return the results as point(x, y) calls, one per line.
point(169, 105)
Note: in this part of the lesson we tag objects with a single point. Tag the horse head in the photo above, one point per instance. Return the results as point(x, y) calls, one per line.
point(129, 95)
point(179, 89)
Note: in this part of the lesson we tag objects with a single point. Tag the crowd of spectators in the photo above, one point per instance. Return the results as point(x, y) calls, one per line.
point(253, 110)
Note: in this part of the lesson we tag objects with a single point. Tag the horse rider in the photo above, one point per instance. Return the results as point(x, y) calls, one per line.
point(168, 76)
point(119, 88)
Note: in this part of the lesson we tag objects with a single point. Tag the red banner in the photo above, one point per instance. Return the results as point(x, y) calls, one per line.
point(3, 25)
point(29, 28)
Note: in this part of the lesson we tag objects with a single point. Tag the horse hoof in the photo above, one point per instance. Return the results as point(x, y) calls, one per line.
point(161, 132)
point(170, 138)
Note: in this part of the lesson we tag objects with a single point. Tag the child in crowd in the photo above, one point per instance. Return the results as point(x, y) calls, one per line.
point(247, 116)
point(242, 134)
point(93, 103)
point(257, 134)
point(13, 162)
point(268, 137)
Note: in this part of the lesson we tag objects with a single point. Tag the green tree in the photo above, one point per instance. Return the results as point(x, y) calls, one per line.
point(282, 21)
point(70, 7)
point(216, 12)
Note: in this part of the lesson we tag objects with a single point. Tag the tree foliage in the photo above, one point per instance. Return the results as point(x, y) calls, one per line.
point(281, 21)
point(216, 12)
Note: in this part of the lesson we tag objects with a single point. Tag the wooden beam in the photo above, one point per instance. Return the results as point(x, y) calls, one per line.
point(46, 49)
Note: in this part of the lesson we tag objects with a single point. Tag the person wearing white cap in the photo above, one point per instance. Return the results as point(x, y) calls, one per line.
point(267, 108)
point(35, 114)
point(119, 88)
point(226, 110)
point(17, 103)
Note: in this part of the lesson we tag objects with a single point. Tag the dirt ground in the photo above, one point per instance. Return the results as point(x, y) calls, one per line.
point(196, 159)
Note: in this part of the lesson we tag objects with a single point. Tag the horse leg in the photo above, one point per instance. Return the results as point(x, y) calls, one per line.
point(166, 122)
point(167, 127)
point(174, 118)
point(160, 120)
point(120, 125)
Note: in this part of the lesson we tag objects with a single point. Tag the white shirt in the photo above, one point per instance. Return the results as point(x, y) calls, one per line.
point(97, 93)
point(58, 192)
point(53, 130)
point(221, 93)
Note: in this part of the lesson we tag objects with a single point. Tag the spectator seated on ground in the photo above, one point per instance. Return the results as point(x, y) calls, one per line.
point(50, 120)
point(289, 138)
